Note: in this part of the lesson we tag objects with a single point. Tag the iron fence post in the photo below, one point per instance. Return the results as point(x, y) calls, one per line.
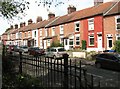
point(65, 57)
point(20, 65)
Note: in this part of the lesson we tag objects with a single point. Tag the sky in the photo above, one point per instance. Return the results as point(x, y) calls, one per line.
point(34, 11)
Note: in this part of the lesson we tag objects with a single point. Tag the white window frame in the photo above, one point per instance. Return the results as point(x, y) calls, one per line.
point(48, 42)
point(61, 29)
point(76, 26)
point(29, 34)
point(77, 40)
point(91, 36)
point(117, 36)
point(91, 24)
point(53, 31)
point(117, 17)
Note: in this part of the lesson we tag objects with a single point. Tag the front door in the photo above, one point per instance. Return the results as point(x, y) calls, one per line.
point(109, 43)
point(45, 44)
point(99, 43)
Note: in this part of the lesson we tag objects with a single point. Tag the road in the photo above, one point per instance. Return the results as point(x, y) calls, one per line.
point(108, 78)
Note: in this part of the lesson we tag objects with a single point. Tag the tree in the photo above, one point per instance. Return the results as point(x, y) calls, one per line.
point(11, 8)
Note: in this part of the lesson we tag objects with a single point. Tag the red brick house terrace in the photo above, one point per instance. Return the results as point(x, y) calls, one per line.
point(87, 24)
point(98, 26)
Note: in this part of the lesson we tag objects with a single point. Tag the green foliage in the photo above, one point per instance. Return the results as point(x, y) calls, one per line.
point(56, 43)
point(117, 46)
point(11, 8)
point(84, 44)
point(20, 81)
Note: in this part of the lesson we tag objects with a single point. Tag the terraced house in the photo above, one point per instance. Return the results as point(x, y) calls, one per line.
point(98, 25)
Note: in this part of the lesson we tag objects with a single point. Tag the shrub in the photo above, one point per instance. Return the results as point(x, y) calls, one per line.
point(56, 44)
point(117, 46)
point(84, 44)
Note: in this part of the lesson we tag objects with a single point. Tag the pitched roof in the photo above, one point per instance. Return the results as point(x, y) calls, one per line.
point(115, 9)
point(40, 24)
point(108, 8)
point(85, 13)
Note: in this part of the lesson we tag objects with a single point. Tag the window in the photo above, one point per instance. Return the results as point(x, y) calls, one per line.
point(91, 24)
point(77, 25)
point(77, 38)
point(61, 29)
point(29, 34)
point(35, 33)
point(91, 40)
point(118, 23)
point(65, 41)
point(110, 43)
point(71, 42)
point(118, 37)
point(53, 31)
point(35, 43)
point(48, 42)
point(53, 50)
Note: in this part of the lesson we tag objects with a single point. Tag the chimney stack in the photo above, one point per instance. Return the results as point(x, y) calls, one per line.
point(24, 24)
point(51, 15)
point(11, 27)
point(39, 18)
point(71, 9)
point(97, 2)
point(30, 21)
point(21, 24)
point(16, 26)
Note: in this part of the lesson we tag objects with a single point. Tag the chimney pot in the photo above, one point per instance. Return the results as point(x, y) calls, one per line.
point(39, 18)
point(71, 9)
point(21, 24)
point(30, 21)
point(16, 26)
point(51, 15)
point(98, 2)
point(11, 27)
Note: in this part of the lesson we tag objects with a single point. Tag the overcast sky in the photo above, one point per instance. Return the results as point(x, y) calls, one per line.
point(35, 11)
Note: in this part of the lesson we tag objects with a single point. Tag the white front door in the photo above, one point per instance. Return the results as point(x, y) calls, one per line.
point(99, 43)
point(45, 44)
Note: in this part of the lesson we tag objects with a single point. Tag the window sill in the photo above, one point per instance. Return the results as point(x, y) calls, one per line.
point(91, 45)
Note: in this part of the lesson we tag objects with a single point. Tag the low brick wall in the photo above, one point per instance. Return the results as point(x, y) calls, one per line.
point(77, 54)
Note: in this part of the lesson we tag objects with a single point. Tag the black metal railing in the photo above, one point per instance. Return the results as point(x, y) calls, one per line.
point(64, 73)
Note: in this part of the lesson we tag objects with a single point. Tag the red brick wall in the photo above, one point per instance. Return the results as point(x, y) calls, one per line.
point(109, 28)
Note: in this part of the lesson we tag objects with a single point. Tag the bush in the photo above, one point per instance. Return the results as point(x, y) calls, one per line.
point(117, 46)
point(56, 44)
point(84, 44)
